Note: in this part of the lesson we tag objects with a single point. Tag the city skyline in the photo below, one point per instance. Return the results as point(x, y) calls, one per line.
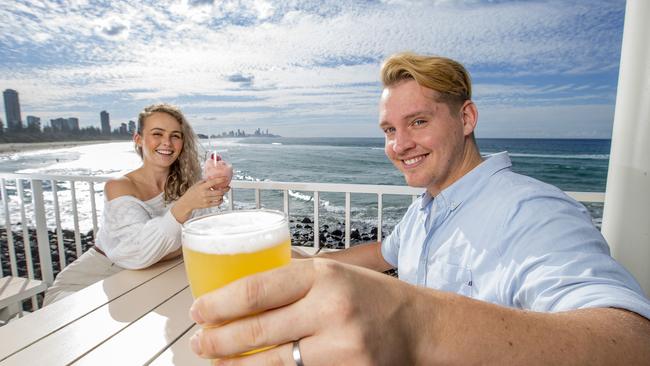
point(540, 68)
point(32, 126)
point(16, 124)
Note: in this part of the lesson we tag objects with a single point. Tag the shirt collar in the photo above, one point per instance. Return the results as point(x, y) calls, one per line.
point(457, 192)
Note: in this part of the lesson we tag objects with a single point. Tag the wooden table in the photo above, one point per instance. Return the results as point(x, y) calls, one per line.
point(131, 318)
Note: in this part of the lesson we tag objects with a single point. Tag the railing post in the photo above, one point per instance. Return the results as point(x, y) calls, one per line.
point(93, 207)
point(316, 225)
point(59, 232)
point(286, 202)
point(42, 238)
point(27, 243)
point(380, 208)
point(75, 216)
point(10, 234)
point(347, 219)
point(231, 202)
point(257, 198)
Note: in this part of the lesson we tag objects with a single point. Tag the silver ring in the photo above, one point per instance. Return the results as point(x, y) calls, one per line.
point(297, 357)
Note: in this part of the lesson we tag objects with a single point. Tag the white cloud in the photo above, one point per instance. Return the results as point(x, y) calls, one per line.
point(112, 29)
point(80, 53)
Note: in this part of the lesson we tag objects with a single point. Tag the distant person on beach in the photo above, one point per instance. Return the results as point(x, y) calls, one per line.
point(495, 267)
point(144, 209)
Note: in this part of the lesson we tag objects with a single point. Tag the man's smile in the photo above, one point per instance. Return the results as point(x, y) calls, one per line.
point(413, 161)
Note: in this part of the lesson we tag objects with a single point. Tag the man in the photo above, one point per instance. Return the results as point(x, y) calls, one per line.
point(497, 268)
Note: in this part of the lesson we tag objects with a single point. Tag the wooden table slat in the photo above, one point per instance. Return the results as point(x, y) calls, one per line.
point(87, 332)
point(144, 339)
point(180, 353)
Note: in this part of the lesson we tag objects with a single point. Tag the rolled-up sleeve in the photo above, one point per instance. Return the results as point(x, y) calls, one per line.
point(561, 262)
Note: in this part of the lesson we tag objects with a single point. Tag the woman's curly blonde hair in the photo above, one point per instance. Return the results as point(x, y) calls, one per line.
point(185, 171)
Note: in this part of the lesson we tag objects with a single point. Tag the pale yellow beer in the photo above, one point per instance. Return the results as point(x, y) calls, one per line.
point(224, 247)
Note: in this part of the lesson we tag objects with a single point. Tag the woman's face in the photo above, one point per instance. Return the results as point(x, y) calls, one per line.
point(161, 140)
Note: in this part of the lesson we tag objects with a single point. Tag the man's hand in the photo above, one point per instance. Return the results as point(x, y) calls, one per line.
point(342, 315)
point(348, 315)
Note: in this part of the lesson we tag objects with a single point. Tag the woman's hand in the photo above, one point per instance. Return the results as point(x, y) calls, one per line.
point(341, 314)
point(200, 195)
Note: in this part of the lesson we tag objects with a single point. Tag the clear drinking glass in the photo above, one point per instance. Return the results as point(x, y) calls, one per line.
point(223, 247)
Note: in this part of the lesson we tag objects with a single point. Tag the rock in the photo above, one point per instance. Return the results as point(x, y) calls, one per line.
point(337, 232)
point(306, 220)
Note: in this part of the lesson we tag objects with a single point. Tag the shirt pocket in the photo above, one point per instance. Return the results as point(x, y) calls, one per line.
point(449, 277)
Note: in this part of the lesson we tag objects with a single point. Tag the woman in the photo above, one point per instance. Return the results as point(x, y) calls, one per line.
point(144, 209)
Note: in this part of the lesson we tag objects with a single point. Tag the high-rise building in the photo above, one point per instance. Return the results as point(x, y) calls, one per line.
point(123, 129)
point(33, 123)
point(59, 124)
point(2, 127)
point(12, 110)
point(73, 124)
point(131, 127)
point(106, 124)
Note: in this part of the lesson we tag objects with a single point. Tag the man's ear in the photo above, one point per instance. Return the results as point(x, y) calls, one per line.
point(469, 116)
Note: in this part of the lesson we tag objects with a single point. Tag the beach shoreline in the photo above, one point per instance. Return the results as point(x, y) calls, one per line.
point(16, 147)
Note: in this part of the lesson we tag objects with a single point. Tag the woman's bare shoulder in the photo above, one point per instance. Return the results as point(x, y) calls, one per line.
point(118, 187)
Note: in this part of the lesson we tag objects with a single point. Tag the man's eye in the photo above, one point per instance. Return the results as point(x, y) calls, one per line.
point(388, 130)
point(419, 122)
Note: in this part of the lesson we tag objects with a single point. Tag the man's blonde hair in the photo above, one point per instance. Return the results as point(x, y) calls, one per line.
point(444, 75)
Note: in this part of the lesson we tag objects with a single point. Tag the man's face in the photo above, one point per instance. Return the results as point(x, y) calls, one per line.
point(424, 139)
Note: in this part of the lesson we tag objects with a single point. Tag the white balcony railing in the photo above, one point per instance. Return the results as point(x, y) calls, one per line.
point(31, 201)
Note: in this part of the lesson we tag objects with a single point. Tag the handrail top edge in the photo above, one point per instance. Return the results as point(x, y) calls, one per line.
point(299, 186)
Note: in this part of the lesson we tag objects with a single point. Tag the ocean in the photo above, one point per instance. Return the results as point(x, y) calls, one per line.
point(570, 164)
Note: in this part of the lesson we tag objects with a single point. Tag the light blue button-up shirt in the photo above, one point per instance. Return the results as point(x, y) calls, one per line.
point(509, 239)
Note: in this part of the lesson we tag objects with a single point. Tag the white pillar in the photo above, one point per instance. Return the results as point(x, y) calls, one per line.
point(626, 216)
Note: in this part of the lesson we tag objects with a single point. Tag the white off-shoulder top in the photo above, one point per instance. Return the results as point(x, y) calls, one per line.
point(135, 234)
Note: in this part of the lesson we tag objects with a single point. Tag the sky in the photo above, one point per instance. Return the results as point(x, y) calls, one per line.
point(541, 69)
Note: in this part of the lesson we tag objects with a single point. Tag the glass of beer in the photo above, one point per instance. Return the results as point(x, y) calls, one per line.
point(223, 247)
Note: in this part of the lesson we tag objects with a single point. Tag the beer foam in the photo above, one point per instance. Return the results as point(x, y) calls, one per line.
point(244, 231)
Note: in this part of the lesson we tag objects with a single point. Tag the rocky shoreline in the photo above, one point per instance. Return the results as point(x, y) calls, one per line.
point(87, 241)
point(331, 236)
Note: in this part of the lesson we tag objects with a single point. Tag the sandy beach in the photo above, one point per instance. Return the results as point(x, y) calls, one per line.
point(13, 147)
